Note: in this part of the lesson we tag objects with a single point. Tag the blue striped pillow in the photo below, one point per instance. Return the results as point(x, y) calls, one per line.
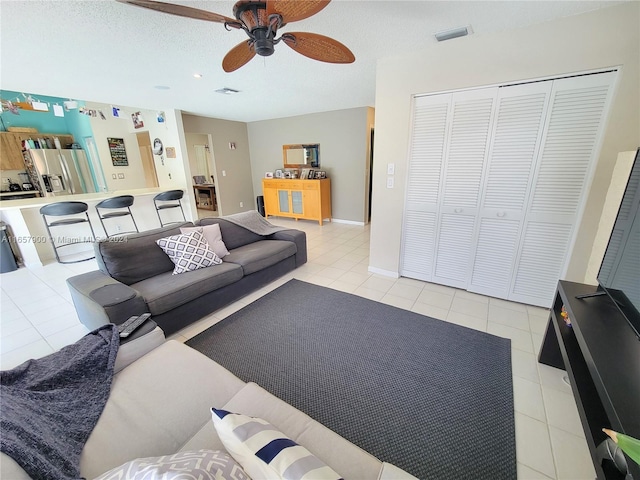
point(265, 452)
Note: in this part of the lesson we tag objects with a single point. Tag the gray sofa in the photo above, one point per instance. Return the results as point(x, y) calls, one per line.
point(135, 276)
point(160, 404)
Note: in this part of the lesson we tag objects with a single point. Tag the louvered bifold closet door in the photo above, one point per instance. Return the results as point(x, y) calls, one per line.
point(573, 128)
point(466, 155)
point(516, 139)
point(427, 150)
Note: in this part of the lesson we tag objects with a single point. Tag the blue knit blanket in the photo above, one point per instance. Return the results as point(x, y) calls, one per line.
point(51, 405)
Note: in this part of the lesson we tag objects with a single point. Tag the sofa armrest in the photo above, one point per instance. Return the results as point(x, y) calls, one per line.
point(299, 238)
point(145, 339)
point(100, 299)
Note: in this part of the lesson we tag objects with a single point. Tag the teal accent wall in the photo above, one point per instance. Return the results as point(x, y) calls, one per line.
point(73, 122)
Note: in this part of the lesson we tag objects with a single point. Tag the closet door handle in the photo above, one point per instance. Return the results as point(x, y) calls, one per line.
point(458, 210)
point(501, 214)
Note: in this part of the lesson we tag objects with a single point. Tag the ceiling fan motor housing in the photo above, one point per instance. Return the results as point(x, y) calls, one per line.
point(261, 29)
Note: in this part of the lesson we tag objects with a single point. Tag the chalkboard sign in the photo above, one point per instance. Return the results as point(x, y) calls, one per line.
point(118, 152)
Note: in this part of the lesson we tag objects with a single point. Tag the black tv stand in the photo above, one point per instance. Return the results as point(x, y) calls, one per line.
point(601, 355)
point(594, 294)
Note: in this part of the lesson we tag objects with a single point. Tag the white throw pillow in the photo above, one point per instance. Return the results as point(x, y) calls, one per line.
point(213, 237)
point(201, 464)
point(188, 252)
point(266, 453)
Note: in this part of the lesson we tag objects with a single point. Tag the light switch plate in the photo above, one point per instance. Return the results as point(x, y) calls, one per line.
point(391, 168)
point(389, 182)
point(121, 175)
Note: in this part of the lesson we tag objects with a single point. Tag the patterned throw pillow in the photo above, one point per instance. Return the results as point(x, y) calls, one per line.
point(188, 251)
point(265, 452)
point(201, 464)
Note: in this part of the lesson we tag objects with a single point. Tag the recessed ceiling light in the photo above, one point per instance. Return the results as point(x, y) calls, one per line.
point(162, 87)
point(197, 75)
point(227, 91)
point(453, 33)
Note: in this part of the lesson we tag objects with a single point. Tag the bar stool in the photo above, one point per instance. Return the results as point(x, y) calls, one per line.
point(68, 209)
point(170, 199)
point(122, 203)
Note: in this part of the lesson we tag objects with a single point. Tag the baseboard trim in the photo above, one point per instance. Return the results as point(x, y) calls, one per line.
point(386, 273)
point(348, 222)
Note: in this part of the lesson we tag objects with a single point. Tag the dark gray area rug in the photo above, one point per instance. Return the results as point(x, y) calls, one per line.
point(431, 397)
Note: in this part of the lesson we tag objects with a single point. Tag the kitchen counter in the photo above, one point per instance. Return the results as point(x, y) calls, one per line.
point(32, 240)
point(17, 192)
point(82, 197)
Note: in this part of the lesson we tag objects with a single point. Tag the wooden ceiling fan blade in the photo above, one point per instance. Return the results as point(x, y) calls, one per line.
point(294, 10)
point(319, 47)
point(180, 10)
point(238, 56)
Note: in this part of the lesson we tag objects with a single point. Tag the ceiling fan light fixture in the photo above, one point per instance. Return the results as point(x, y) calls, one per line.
point(453, 33)
point(227, 91)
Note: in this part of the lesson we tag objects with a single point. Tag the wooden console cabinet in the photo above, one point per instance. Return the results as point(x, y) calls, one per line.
point(299, 199)
point(601, 354)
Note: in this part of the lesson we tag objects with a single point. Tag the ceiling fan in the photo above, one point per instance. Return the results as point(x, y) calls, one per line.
point(261, 21)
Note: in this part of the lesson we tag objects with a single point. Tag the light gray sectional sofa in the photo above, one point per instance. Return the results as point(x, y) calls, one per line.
point(160, 404)
point(135, 276)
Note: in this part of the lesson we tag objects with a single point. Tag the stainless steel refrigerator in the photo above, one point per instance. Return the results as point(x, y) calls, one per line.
point(59, 172)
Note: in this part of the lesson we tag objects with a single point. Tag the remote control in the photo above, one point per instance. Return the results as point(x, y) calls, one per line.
point(132, 324)
point(127, 322)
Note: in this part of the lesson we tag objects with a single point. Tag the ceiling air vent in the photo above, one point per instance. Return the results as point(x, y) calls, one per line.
point(227, 91)
point(453, 33)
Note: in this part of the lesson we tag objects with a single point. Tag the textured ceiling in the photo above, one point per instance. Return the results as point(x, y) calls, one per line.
point(109, 52)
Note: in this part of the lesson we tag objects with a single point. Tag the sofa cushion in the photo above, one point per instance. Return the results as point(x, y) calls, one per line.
point(166, 291)
point(261, 254)
point(233, 235)
point(201, 464)
point(156, 405)
point(264, 451)
point(213, 236)
point(344, 457)
point(188, 251)
point(132, 258)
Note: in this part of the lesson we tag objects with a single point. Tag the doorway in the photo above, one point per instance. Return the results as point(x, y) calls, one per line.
point(370, 196)
point(148, 164)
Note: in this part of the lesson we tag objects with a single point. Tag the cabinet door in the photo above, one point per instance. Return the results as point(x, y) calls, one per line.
point(296, 202)
point(11, 151)
point(311, 203)
point(283, 201)
point(270, 200)
point(517, 134)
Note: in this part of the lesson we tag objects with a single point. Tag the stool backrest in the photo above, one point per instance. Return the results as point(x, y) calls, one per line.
point(122, 201)
point(64, 208)
point(169, 195)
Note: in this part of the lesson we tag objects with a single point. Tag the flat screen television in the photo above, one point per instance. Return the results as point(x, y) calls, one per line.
point(619, 274)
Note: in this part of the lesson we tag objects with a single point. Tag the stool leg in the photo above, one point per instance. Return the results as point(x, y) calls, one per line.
point(133, 220)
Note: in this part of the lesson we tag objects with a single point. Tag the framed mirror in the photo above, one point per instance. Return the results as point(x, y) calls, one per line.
point(302, 155)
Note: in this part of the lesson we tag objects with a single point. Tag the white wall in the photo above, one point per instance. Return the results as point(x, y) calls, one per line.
point(343, 138)
point(604, 38)
point(170, 171)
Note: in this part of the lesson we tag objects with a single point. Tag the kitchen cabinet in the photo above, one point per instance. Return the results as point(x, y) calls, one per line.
point(299, 199)
point(11, 146)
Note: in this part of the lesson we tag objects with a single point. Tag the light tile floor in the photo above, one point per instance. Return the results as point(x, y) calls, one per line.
point(37, 317)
